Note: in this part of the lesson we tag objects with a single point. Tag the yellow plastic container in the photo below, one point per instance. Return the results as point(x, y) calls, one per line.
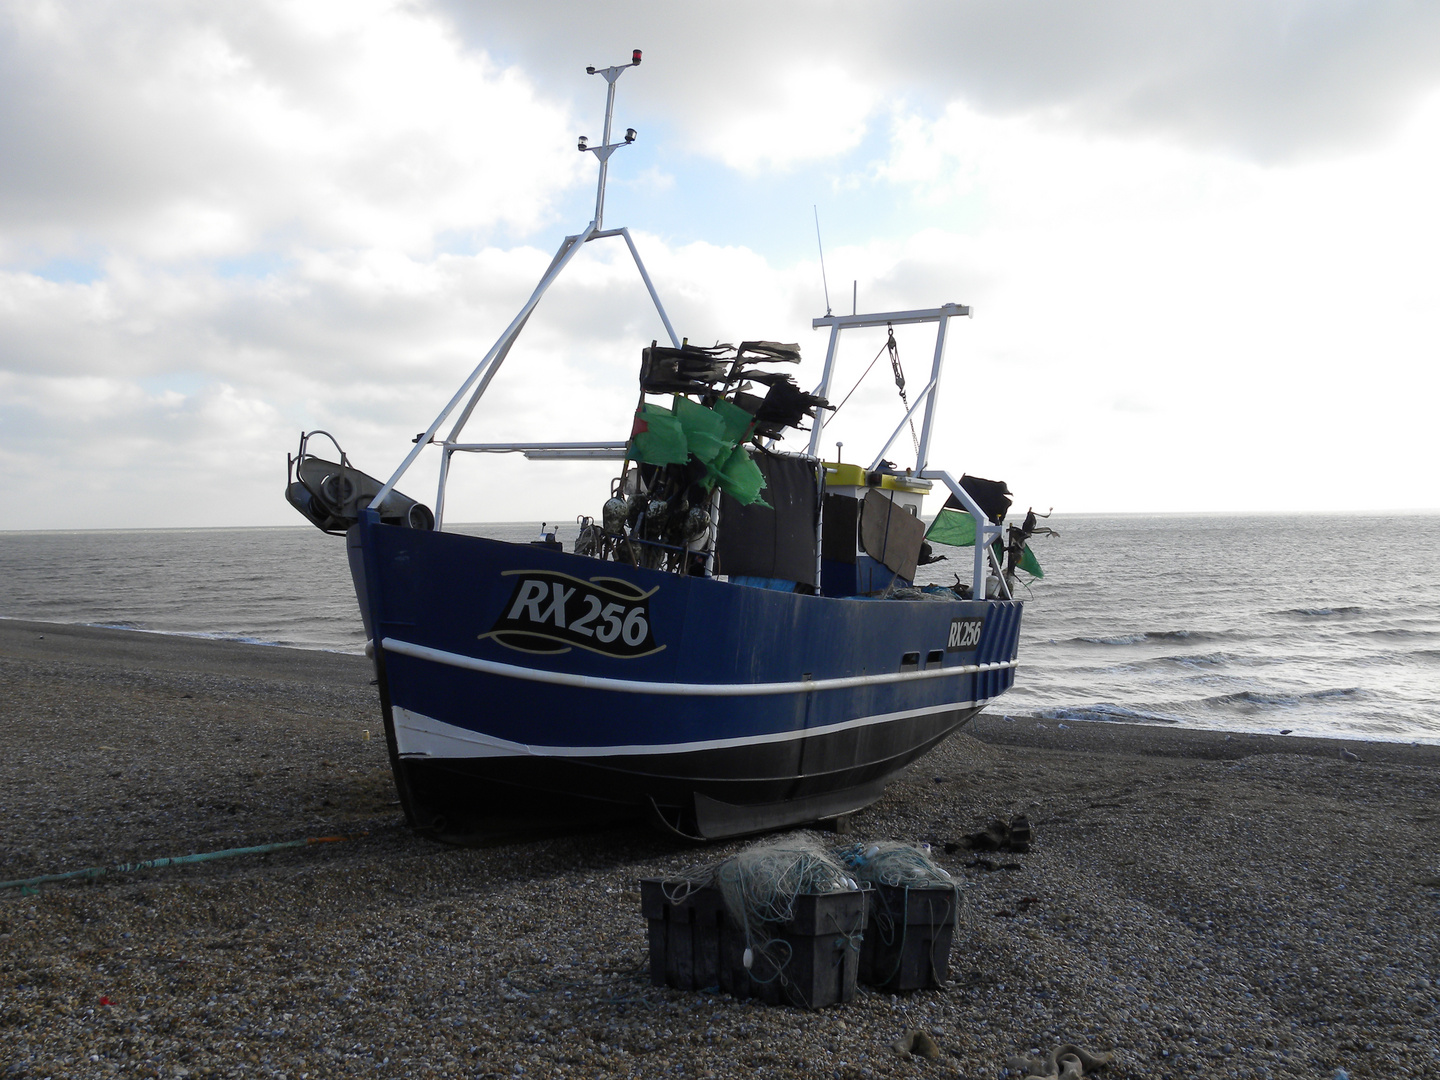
point(845, 475)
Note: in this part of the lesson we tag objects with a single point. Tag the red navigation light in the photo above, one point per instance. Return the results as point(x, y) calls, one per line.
point(635, 57)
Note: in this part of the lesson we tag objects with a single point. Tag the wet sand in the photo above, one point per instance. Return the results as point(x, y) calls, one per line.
point(1205, 906)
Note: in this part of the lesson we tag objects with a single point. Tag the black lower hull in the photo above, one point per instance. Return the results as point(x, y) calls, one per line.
point(705, 795)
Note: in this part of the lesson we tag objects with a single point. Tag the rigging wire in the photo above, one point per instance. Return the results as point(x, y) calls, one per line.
point(821, 246)
point(894, 350)
point(857, 383)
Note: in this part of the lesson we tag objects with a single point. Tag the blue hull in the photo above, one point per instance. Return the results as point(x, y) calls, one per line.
point(520, 677)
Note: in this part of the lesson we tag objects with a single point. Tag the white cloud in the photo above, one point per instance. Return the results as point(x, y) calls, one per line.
point(1269, 318)
point(178, 130)
point(1265, 80)
point(811, 112)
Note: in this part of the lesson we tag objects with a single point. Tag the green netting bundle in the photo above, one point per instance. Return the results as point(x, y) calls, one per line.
point(714, 437)
point(739, 477)
point(657, 437)
point(737, 421)
point(705, 431)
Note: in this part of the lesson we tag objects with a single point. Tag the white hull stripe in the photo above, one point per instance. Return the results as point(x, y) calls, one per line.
point(418, 735)
point(637, 686)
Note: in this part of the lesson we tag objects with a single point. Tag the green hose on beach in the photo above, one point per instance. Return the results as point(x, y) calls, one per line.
point(177, 860)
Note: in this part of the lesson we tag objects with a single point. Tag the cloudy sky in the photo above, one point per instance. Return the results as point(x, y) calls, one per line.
point(1200, 239)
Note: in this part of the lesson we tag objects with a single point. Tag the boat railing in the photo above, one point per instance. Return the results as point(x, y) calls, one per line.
point(985, 533)
point(551, 450)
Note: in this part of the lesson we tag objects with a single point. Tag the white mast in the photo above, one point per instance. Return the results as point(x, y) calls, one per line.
point(606, 147)
point(486, 370)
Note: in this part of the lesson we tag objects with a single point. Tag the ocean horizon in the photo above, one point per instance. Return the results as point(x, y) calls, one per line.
point(1239, 622)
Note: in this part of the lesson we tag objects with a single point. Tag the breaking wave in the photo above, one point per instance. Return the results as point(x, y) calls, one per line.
point(1107, 712)
point(1219, 659)
point(1153, 635)
point(1286, 701)
point(1319, 612)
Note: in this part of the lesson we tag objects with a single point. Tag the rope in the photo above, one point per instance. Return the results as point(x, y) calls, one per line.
point(894, 351)
point(689, 881)
point(177, 860)
point(861, 379)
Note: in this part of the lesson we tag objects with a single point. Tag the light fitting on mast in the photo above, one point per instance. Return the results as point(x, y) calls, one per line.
point(606, 147)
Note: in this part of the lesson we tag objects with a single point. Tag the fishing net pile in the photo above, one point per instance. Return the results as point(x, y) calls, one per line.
point(759, 887)
point(888, 862)
point(889, 866)
point(711, 440)
point(760, 884)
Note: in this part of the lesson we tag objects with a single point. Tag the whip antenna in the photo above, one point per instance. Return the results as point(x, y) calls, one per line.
point(822, 259)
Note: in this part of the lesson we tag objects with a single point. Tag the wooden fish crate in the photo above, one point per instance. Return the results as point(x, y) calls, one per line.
point(684, 935)
point(908, 937)
point(695, 945)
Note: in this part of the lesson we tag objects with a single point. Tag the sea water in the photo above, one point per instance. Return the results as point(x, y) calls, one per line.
point(1318, 624)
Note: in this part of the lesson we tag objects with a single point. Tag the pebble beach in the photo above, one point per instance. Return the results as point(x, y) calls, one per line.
point(1201, 904)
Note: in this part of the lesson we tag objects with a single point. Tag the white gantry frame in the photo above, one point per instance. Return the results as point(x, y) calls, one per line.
point(985, 532)
point(480, 379)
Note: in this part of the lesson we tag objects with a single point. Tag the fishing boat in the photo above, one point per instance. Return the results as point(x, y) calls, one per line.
point(734, 643)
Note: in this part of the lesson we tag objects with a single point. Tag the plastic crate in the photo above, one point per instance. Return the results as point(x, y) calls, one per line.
point(695, 945)
point(908, 937)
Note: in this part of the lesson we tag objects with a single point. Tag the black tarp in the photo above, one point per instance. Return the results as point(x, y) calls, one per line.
point(686, 370)
point(777, 541)
point(992, 496)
